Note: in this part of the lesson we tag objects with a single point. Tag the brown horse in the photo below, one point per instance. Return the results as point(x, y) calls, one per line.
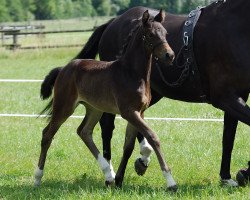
point(119, 87)
point(221, 41)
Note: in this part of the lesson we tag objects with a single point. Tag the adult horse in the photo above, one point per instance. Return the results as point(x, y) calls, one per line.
point(220, 47)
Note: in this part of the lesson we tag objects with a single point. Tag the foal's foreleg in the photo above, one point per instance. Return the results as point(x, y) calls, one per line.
point(135, 119)
point(85, 131)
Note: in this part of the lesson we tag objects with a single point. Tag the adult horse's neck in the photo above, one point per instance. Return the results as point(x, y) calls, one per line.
point(137, 58)
point(233, 7)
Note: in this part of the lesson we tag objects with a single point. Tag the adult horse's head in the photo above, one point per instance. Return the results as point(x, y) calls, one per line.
point(154, 36)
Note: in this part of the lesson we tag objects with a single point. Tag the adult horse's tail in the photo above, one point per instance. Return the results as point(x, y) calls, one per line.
point(47, 86)
point(90, 49)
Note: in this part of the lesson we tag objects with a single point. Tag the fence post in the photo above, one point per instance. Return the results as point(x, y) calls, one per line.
point(2, 38)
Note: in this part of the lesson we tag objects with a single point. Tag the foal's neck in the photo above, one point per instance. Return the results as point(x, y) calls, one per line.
point(137, 58)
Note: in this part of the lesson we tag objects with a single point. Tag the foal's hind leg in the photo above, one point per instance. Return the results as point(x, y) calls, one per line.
point(128, 148)
point(85, 131)
point(60, 114)
point(135, 119)
point(142, 163)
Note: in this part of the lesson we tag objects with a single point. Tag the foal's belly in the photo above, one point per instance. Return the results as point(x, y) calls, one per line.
point(100, 100)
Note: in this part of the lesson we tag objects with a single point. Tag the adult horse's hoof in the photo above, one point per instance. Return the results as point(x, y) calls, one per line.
point(173, 188)
point(140, 167)
point(242, 177)
point(118, 182)
point(229, 182)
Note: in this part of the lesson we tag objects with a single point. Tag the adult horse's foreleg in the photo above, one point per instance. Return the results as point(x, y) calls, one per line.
point(135, 119)
point(142, 163)
point(107, 126)
point(235, 108)
point(85, 131)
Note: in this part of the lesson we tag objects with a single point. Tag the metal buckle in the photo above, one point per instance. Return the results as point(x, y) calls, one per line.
point(191, 14)
point(185, 39)
point(187, 23)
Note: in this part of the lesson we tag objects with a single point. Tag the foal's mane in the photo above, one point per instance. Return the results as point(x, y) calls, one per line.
point(128, 39)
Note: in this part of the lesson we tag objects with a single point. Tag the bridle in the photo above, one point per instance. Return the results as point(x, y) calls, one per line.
point(152, 46)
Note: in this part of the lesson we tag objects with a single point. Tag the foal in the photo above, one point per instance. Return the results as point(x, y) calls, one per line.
point(119, 87)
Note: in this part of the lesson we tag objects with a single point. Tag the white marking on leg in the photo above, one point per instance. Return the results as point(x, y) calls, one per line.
point(169, 178)
point(111, 169)
point(38, 176)
point(229, 182)
point(103, 163)
point(145, 151)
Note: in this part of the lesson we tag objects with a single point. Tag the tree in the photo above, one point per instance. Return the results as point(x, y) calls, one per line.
point(189, 5)
point(15, 9)
point(68, 9)
point(119, 6)
point(28, 8)
point(45, 9)
point(102, 7)
point(4, 13)
point(83, 8)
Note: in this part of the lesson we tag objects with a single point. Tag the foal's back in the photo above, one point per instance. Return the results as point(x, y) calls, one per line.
point(95, 82)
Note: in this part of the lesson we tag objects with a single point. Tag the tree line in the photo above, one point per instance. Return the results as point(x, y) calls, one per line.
point(24, 10)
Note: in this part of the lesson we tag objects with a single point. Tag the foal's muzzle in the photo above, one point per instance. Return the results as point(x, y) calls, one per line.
point(164, 54)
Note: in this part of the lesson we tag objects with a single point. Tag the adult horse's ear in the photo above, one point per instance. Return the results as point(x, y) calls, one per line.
point(160, 16)
point(145, 17)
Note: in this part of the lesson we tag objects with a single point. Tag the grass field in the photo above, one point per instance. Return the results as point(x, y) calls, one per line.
point(192, 149)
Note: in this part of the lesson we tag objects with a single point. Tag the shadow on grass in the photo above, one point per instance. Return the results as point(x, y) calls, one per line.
point(85, 184)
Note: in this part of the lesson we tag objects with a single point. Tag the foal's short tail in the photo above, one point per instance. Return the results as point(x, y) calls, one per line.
point(47, 86)
point(48, 83)
point(90, 49)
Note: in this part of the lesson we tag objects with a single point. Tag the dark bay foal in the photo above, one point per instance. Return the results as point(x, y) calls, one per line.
point(119, 87)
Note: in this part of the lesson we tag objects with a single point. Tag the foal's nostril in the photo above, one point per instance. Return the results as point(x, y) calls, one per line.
point(170, 56)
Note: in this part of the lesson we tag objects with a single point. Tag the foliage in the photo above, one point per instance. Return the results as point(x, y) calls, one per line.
point(23, 10)
point(4, 15)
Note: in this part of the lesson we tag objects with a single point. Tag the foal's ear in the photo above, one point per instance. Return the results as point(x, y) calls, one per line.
point(145, 17)
point(160, 16)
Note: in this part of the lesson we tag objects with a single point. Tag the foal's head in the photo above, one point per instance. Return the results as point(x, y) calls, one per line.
point(154, 37)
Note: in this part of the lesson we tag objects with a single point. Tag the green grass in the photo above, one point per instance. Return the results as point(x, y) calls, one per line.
point(192, 149)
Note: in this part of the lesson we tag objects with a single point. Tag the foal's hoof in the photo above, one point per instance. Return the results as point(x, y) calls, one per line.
point(229, 183)
point(140, 167)
point(37, 183)
point(242, 177)
point(173, 188)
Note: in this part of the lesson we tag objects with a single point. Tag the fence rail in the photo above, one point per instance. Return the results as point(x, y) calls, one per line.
point(17, 32)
